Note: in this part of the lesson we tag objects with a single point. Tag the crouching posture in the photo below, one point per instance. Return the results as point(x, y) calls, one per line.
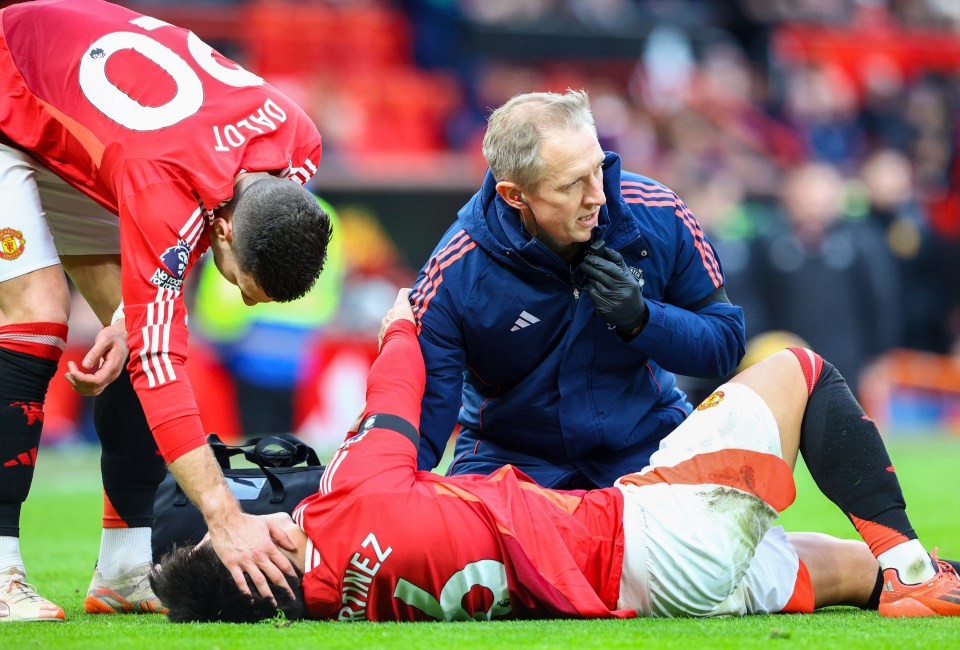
point(689, 535)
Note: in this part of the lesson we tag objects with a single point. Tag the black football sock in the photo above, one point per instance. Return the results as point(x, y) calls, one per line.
point(24, 379)
point(847, 459)
point(874, 601)
point(130, 463)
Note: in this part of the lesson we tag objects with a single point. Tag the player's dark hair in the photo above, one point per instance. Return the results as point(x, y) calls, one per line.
point(280, 237)
point(195, 586)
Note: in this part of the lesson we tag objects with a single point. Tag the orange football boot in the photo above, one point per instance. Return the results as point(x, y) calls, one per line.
point(938, 596)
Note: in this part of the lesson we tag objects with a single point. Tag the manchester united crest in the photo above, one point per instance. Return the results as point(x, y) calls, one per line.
point(11, 243)
point(711, 401)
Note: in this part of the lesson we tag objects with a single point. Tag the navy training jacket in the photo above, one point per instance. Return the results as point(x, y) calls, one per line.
point(517, 354)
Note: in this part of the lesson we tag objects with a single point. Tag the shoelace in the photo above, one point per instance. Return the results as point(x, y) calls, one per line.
point(17, 590)
point(132, 583)
point(945, 567)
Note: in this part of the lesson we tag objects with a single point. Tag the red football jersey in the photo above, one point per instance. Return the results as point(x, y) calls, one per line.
point(154, 125)
point(389, 542)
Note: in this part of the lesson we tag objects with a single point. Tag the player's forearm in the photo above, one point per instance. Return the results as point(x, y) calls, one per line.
point(177, 436)
point(199, 475)
point(396, 380)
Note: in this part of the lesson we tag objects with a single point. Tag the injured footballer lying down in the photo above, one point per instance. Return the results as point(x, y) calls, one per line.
point(691, 534)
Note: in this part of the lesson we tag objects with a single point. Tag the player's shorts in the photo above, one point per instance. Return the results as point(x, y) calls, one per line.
point(697, 521)
point(44, 217)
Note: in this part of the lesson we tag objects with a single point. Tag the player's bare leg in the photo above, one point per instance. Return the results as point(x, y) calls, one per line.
point(97, 278)
point(843, 571)
point(33, 333)
point(818, 415)
point(130, 464)
point(779, 382)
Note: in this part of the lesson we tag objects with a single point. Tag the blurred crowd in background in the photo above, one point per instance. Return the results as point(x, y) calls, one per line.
point(815, 140)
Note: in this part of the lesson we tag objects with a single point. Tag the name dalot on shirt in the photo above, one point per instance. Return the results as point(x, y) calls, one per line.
point(267, 118)
point(358, 578)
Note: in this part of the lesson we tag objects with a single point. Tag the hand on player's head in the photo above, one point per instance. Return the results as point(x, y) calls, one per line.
point(195, 586)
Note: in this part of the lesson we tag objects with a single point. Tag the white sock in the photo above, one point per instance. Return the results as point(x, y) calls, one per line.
point(122, 550)
point(10, 552)
point(911, 561)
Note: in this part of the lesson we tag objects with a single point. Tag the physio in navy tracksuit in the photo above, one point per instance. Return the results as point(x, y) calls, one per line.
point(554, 312)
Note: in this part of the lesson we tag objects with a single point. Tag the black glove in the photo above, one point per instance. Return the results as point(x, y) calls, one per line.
point(615, 292)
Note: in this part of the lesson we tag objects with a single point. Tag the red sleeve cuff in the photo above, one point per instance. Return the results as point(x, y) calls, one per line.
point(400, 325)
point(178, 436)
point(396, 380)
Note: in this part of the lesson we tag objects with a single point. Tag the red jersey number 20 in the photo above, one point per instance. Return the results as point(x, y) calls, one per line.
point(127, 112)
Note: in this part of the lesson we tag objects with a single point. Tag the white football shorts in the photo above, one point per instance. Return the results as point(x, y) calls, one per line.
point(697, 520)
point(43, 217)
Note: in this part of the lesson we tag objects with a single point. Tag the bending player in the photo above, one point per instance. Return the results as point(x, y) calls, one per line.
point(122, 134)
point(689, 535)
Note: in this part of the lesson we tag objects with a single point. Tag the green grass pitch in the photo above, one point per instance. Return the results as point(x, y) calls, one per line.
point(61, 534)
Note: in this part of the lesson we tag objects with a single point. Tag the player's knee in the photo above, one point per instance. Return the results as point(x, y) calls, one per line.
point(41, 296)
point(782, 383)
point(97, 278)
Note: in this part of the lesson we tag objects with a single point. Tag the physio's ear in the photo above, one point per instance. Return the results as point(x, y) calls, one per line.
point(512, 194)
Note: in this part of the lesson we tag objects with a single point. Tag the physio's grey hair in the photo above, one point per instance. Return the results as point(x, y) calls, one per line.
point(516, 131)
